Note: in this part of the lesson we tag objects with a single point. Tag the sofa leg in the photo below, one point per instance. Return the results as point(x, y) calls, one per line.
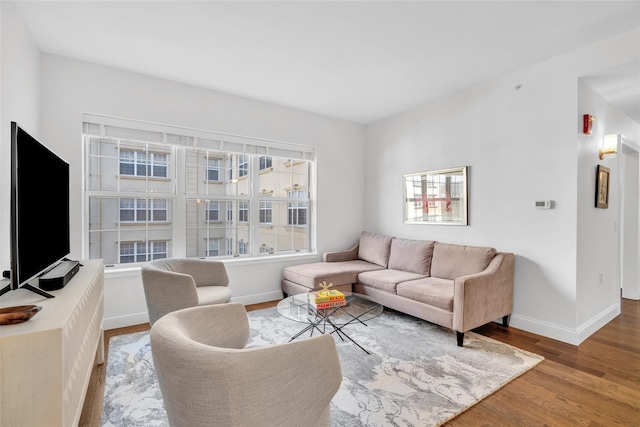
point(505, 320)
point(460, 336)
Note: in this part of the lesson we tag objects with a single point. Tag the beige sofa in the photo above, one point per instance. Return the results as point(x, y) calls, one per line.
point(455, 286)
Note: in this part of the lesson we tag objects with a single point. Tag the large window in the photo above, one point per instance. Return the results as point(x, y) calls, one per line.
point(156, 191)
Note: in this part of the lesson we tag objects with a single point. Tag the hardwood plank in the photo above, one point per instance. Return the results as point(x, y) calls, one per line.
point(596, 384)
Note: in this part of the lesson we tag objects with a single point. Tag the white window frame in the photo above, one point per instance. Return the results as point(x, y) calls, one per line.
point(247, 154)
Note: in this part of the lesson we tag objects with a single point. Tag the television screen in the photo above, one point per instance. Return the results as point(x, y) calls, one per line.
point(39, 207)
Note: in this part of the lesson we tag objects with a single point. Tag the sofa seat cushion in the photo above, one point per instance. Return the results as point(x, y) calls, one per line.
point(338, 273)
point(431, 290)
point(374, 248)
point(413, 256)
point(386, 280)
point(451, 261)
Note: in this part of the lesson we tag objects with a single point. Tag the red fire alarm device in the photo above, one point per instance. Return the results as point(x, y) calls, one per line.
point(587, 122)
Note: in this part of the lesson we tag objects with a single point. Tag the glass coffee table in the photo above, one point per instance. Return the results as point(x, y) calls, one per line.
point(332, 320)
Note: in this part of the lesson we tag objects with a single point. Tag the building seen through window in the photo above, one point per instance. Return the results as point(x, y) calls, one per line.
point(150, 200)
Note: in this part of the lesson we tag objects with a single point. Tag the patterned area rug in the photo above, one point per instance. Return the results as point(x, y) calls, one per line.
point(416, 375)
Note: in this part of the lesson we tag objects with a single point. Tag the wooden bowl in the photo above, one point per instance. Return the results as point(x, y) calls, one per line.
point(18, 314)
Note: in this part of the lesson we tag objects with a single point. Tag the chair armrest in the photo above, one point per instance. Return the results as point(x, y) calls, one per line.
point(206, 272)
point(484, 297)
point(167, 291)
point(348, 255)
point(300, 378)
point(219, 325)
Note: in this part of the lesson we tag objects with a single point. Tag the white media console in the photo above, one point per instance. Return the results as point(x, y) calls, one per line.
point(46, 362)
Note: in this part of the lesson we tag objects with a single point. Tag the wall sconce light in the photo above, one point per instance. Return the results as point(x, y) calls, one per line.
point(587, 123)
point(609, 146)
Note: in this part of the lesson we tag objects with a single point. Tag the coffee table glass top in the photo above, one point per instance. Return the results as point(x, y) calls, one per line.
point(298, 309)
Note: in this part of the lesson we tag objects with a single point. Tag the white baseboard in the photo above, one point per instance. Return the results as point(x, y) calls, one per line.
point(562, 333)
point(258, 298)
point(121, 321)
point(597, 322)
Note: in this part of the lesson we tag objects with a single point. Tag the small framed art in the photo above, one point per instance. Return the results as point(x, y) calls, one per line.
point(602, 187)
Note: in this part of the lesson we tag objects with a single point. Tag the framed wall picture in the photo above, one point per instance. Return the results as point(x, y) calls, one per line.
point(602, 187)
point(436, 197)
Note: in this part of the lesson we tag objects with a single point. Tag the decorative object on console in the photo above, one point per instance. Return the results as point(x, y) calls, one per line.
point(327, 298)
point(602, 187)
point(18, 314)
point(436, 197)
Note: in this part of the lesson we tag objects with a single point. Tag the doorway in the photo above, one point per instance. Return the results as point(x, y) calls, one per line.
point(629, 219)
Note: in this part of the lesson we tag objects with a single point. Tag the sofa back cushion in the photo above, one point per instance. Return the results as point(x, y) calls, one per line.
point(374, 248)
point(413, 256)
point(451, 261)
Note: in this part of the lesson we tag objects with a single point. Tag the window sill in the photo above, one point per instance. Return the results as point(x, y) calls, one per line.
point(116, 272)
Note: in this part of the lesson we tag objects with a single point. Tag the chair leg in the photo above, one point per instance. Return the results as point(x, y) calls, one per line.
point(505, 320)
point(460, 336)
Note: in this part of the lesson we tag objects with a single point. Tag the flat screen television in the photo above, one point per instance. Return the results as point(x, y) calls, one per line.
point(40, 236)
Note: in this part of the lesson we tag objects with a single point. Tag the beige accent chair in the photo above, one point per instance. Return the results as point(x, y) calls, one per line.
point(208, 378)
point(172, 284)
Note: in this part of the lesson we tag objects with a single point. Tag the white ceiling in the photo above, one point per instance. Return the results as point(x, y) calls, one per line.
point(357, 60)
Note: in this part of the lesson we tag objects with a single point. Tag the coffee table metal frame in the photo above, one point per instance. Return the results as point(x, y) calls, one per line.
point(358, 309)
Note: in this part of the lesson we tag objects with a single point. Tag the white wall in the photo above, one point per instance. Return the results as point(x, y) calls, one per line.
point(70, 88)
point(598, 229)
point(521, 146)
point(19, 102)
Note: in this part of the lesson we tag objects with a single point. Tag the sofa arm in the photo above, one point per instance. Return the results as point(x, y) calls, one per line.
point(348, 255)
point(484, 297)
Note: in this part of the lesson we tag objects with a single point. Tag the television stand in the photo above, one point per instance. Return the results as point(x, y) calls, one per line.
point(47, 361)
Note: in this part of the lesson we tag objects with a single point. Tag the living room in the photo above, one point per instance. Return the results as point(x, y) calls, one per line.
point(520, 132)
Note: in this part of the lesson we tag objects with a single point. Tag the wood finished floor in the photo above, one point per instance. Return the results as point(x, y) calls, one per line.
point(594, 384)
